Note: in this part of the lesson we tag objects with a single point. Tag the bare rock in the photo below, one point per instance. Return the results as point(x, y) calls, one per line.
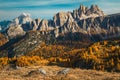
point(42, 71)
point(61, 18)
point(24, 18)
point(37, 72)
point(15, 31)
point(64, 71)
point(44, 25)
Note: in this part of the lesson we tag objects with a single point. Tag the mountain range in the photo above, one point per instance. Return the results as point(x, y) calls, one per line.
point(86, 25)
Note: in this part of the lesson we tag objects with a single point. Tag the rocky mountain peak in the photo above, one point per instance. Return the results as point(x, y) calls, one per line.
point(82, 9)
point(16, 27)
point(62, 17)
point(85, 12)
point(24, 15)
point(15, 31)
point(24, 18)
point(82, 12)
point(94, 8)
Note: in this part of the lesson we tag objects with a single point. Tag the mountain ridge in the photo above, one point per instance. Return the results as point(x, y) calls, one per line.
point(82, 12)
point(65, 27)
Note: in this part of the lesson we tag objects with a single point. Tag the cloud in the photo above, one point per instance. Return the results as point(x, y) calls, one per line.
point(15, 3)
point(44, 14)
point(109, 6)
point(10, 9)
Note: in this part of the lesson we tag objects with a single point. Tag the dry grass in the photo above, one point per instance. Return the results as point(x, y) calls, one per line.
point(74, 74)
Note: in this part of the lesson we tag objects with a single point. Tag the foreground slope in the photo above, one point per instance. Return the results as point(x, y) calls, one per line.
point(23, 73)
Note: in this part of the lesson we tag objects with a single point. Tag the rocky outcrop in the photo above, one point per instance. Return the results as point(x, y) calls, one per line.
point(61, 18)
point(64, 71)
point(23, 45)
point(102, 27)
point(23, 19)
point(15, 31)
point(85, 12)
point(35, 24)
point(16, 28)
point(42, 25)
point(68, 22)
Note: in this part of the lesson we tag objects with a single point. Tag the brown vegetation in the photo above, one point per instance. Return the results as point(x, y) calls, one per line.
point(74, 74)
point(103, 56)
point(3, 40)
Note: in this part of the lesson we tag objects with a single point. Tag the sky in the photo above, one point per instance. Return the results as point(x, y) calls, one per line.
point(46, 9)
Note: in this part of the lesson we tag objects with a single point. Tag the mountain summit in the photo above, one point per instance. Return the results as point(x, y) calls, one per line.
point(22, 19)
point(85, 12)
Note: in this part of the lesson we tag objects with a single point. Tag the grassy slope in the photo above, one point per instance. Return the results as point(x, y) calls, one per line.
point(73, 74)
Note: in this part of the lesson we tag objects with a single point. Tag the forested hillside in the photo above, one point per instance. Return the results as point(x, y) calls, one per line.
point(104, 55)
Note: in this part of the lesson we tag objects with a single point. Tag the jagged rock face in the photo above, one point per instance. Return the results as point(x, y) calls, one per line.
point(102, 27)
point(68, 22)
point(24, 18)
point(82, 13)
point(89, 21)
point(35, 24)
point(61, 18)
point(42, 25)
point(15, 31)
point(18, 26)
point(69, 27)
point(98, 28)
point(46, 25)
point(85, 12)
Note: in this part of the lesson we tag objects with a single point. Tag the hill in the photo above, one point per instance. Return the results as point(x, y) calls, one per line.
point(103, 56)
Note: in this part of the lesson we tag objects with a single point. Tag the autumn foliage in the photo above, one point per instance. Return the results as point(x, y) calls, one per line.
point(103, 56)
point(3, 40)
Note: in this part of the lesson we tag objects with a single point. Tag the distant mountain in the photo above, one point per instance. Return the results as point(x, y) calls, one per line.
point(14, 28)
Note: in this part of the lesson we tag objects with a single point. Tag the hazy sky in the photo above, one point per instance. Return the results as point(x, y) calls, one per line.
point(9, 9)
